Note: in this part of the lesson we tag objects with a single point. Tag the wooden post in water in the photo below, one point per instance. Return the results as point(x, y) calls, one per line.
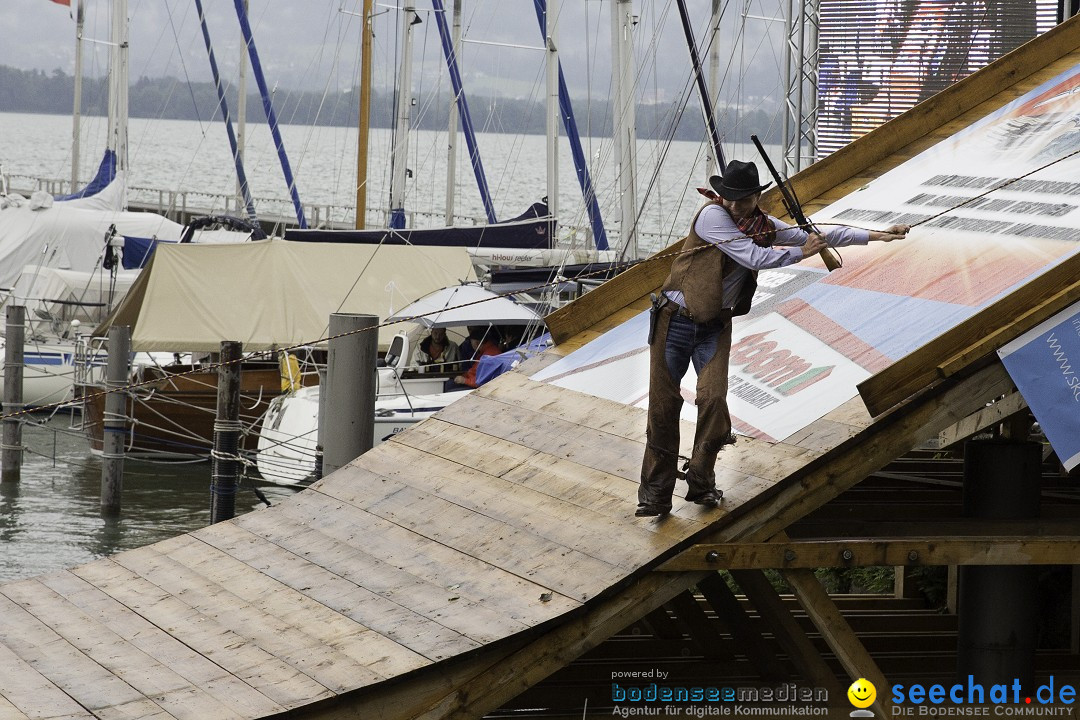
point(225, 461)
point(115, 420)
point(11, 452)
point(350, 396)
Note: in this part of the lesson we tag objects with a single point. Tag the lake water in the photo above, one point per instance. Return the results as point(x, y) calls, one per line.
point(50, 520)
point(194, 157)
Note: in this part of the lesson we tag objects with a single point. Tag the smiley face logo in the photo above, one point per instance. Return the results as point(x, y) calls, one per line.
point(862, 693)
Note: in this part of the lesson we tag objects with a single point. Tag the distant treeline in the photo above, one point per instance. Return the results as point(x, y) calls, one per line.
point(35, 91)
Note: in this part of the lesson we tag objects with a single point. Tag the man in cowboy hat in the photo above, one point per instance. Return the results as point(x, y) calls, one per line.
point(692, 322)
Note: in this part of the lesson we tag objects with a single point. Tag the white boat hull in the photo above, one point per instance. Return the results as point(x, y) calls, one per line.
point(289, 433)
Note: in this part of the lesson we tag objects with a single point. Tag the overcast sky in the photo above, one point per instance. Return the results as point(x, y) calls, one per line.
point(314, 44)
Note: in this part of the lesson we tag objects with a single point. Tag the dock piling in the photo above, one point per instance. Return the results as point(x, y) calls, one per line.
point(225, 460)
point(11, 448)
point(350, 392)
point(115, 420)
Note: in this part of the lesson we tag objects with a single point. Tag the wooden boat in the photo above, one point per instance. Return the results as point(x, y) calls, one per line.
point(172, 416)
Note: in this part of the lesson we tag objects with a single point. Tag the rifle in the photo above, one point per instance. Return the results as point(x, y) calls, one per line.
point(791, 204)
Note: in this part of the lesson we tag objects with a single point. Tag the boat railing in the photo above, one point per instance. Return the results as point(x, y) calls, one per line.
point(182, 206)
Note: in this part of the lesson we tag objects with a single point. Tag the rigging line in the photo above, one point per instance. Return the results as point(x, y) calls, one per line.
point(414, 318)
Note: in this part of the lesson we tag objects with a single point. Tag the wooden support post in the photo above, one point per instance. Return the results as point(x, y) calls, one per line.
point(225, 460)
point(115, 420)
point(703, 633)
point(996, 630)
point(737, 622)
point(352, 380)
point(11, 449)
point(838, 634)
point(802, 653)
point(662, 625)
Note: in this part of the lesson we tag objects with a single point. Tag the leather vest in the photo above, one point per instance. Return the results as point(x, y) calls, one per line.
point(699, 273)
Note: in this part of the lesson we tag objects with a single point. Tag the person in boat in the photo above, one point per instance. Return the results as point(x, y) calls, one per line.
point(481, 341)
point(691, 321)
point(436, 352)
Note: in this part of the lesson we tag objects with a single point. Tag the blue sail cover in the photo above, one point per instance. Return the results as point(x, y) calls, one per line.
point(532, 230)
point(138, 251)
point(106, 174)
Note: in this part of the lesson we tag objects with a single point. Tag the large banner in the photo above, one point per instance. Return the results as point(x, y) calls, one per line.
point(1045, 365)
point(992, 207)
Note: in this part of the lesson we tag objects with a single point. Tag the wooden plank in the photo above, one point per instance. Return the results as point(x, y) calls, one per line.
point(89, 684)
point(614, 454)
point(561, 569)
point(175, 694)
point(980, 420)
point(938, 550)
point(615, 294)
point(787, 632)
point(1004, 320)
point(277, 680)
point(771, 461)
point(165, 648)
point(583, 486)
point(558, 647)
point(30, 693)
point(605, 325)
point(330, 667)
point(395, 621)
point(294, 611)
point(543, 514)
point(843, 641)
point(430, 578)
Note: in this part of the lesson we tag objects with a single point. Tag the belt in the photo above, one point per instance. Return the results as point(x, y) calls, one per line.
point(724, 316)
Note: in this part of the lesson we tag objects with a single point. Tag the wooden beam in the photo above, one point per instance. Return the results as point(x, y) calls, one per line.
point(744, 632)
point(555, 649)
point(779, 621)
point(978, 421)
point(974, 550)
point(843, 641)
point(1002, 321)
point(703, 632)
point(613, 295)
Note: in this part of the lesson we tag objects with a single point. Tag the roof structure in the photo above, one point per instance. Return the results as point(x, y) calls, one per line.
point(460, 563)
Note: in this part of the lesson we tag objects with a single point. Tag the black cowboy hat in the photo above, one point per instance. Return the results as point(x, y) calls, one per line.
point(739, 180)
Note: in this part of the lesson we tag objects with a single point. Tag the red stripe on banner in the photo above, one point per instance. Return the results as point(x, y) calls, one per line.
point(63, 2)
point(962, 269)
point(834, 335)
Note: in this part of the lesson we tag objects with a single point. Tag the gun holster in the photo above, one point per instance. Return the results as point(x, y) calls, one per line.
point(658, 302)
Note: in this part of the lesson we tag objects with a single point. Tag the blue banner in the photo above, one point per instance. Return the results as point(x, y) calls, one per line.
point(1045, 365)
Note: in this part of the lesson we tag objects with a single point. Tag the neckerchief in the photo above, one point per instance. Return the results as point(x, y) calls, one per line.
point(758, 228)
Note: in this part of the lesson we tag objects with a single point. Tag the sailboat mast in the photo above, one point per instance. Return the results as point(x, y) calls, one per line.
point(625, 125)
point(399, 160)
point(242, 190)
point(365, 118)
point(451, 132)
point(76, 116)
point(714, 73)
point(551, 18)
point(118, 85)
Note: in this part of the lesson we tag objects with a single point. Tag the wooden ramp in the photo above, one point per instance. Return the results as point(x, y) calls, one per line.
point(439, 575)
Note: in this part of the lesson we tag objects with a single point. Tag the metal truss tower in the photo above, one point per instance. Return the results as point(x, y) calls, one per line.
point(800, 85)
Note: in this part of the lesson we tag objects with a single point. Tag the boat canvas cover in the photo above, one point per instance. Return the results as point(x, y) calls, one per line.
point(272, 294)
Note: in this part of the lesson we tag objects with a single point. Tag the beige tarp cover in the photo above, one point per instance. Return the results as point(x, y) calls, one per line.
point(272, 293)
